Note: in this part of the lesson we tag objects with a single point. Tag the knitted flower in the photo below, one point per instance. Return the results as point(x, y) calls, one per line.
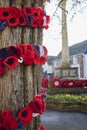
point(43, 55)
point(4, 53)
point(2, 70)
point(37, 22)
point(4, 13)
point(14, 11)
point(8, 120)
point(36, 58)
point(43, 59)
point(4, 126)
point(28, 54)
point(25, 115)
point(13, 21)
point(42, 127)
point(15, 51)
point(29, 19)
point(29, 11)
point(11, 62)
point(2, 24)
point(20, 125)
point(22, 19)
point(37, 105)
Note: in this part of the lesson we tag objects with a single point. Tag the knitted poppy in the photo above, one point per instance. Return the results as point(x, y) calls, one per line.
point(29, 11)
point(20, 125)
point(22, 19)
point(45, 82)
point(4, 126)
point(42, 127)
point(4, 13)
point(15, 51)
point(39, 12)
point(28, 54)
point(11, 62)
point(37, 22)
point(25, 115)
point(2, 70)
point(47, 22)
point(14, 11)
point(43, 59)
point(2, 24)
point(45, 50)
point(36, 58)
point(8, 118)
point(4, 53)
point(12, 21)
point(36, 48)
point(36, 106)
point(29, 20)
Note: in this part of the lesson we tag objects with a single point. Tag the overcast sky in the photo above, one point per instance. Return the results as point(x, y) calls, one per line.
point(77, 30)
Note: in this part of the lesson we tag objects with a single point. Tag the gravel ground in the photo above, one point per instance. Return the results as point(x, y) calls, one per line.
point(55, 120)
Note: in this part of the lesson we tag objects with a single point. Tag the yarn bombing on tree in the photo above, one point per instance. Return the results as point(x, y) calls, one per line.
point(22, 53)
point(24, 116)
point(28, 17)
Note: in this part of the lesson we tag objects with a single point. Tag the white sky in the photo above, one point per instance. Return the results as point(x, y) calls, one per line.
point(77, 30)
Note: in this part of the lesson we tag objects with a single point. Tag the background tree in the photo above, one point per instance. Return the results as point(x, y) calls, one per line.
point(18, 86)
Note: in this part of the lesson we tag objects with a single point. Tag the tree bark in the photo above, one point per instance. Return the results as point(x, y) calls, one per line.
point(18, 86)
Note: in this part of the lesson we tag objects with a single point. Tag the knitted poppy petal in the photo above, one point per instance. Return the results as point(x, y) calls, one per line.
point(4, 53)
point(2, 70)
point(42, 127)
point(37, 22)
point(43, 59)
point(8, 119)
point(36, 106)
point(36, 58)
point(22, 20)
point(36, 49)
point(12, 21)
point(25, 114)
point(4, 13)
point(14, 11)
point(16, 51)
point(11, 62)
point(2, 24)
point(29, 11)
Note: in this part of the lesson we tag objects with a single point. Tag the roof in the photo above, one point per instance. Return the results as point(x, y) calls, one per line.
point(50, 59)
point(76, 49)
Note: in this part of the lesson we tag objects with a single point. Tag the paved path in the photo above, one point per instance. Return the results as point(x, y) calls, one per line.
point(55, 120)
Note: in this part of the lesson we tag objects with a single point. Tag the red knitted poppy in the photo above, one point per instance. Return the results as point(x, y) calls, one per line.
point(25, 114)
point(42, 127)
point(8, 119)
point(4, 13)
point(11, 62)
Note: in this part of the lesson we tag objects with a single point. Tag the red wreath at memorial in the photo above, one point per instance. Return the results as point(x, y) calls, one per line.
point(45, 82)
point(56, 82)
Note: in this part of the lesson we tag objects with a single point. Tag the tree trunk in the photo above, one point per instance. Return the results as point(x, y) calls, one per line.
point(18, 86)
point(65, 48)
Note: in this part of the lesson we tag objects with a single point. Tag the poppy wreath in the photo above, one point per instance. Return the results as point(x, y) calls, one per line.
point(81, 83)
point(45, 82)
point(22, 53)
point(29, 17)
point(56, 82)
point(24, 116)
point(70, 83)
